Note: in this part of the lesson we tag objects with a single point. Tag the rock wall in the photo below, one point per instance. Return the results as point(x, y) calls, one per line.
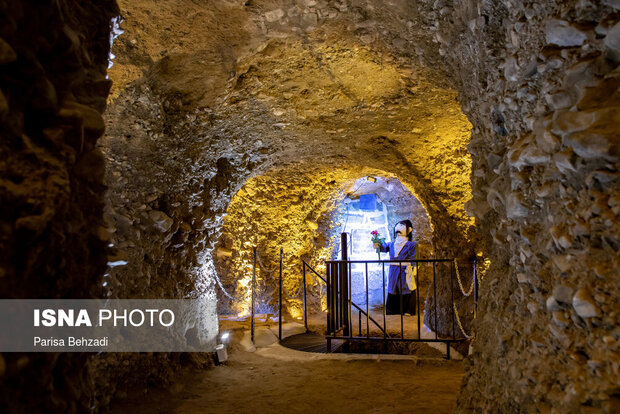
point(53, 88)
point(290, 209)
point(539, 83)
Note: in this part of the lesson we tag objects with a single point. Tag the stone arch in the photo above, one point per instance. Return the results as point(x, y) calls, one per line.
point(294, 208)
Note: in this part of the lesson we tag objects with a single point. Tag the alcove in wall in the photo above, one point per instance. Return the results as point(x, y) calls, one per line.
point(378, 203)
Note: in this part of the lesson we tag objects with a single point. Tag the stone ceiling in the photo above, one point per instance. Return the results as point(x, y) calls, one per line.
point(344, 92)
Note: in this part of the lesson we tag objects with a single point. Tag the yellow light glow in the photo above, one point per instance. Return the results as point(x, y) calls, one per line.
point(287, 208)
point(296, 313)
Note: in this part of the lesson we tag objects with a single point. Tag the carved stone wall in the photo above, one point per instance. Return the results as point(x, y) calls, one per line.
point(53, 88)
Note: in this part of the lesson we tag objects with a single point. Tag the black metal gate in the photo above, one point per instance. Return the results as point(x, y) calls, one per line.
point(340, 304)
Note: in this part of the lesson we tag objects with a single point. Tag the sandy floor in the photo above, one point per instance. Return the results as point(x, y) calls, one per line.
point(302, 383)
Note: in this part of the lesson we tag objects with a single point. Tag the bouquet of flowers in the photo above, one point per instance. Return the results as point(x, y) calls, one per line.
point(376, 239)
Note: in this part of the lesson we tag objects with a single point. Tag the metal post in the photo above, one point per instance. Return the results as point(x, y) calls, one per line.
point(400, 294)
point(367, 305)
point(452, 297)
point(435, 300)
point(280, 299)
point(329, 292)
point(349, 306)
point(344, 289)
point(475, 289)
point(334, 297)
point(338, 297)
point(384, 303)
point(303, 266)
point(253, 293)
point(417, 295)
point(344, 298)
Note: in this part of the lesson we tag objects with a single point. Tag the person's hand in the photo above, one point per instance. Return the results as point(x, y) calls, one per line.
point(376, 245)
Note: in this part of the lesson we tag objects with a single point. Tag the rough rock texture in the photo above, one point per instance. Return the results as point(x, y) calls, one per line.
point(537, 81)
point(292, 210)
point(211, 94)
point(52, 90)
point(545, 177)
point(283, 92)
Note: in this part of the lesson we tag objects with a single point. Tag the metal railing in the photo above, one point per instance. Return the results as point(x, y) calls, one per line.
point(254, 256)
point(305, 266)
point(339, 303)
point(280, 288)
point(344, 251)
point(252, 323)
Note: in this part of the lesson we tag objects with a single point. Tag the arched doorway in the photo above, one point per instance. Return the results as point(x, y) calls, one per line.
point(377, 203)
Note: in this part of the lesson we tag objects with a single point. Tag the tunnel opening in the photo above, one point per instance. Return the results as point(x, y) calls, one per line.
point(304, 212)
point(269, 103)
point(376, 203)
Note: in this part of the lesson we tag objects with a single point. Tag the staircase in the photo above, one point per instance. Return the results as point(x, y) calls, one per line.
point(310, 342)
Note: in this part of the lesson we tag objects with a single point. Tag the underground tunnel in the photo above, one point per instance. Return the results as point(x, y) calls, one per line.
point(236, 156)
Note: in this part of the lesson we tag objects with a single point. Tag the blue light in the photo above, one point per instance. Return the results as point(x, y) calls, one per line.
point(368, 202)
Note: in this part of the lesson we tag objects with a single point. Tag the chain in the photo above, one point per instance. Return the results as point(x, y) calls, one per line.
point(482, 274)
point(262, 266)
point(219, 283)
point(271, 272)
point(458, 322)
point(458, 279)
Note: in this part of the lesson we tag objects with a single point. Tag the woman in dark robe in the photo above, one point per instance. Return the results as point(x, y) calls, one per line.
point(399, 285)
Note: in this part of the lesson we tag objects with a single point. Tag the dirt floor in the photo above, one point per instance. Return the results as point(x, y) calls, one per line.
point(304, 383)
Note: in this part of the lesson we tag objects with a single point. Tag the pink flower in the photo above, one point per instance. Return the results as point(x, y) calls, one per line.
point(374, 232)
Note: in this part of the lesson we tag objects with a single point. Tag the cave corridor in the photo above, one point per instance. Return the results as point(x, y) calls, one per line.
point(171, 149)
